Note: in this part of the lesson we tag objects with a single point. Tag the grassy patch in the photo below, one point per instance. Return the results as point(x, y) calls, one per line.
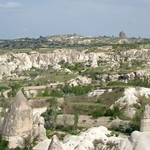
point(83, 108)
point(109, 98)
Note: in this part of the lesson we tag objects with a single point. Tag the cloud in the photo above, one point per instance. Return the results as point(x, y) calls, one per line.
point(10, 5)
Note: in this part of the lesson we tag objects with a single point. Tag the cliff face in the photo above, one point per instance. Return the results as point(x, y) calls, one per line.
point(11, 62)
point(22, 61)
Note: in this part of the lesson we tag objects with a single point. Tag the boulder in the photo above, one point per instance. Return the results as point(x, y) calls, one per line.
point(44, 145)
point(55, 144)
point(50, 144)
point(137, 141)
point(87, 139)
point(80, 80)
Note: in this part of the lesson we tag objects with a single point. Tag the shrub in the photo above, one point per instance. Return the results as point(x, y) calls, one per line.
point(97, 113)
point(76, 90)
point(68, 129)
point(131, 126)
point(56, 93)
point(115, 112)
point(140, 82)
point(3, 88)
point(3, 144)
point(51, 114)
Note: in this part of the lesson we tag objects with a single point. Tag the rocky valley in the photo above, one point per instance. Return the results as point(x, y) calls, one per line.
point(69, 92)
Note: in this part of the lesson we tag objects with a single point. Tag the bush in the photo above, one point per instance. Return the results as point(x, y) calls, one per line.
point(115, 112)
point(3, 88)
point(76, 90)
point(3, 144)
point(67, 128)
point(133, 125)
point(140, 82)
point(97, 113)
point(56, 93)
point(51, 114)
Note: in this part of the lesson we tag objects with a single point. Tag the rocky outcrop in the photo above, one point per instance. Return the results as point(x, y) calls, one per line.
point(55, 144)
point(137, 141)
point(97, 138)
point(22, 124)
point(11, 62)
point(38, 131)
point(145, 120)
point(50, 144)
point(80, 80)
point(93, 138)
point(86, 140)
point(130, 98)
point(135, 54)
point(44, 145)
point(18, 123)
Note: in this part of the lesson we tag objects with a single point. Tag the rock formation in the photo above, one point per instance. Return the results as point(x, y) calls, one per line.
point(21, 124)
point(18, 123)
point(19, 118)
point(145, 120)
point(80, 80)
point(12, 62)
point(39, 132)
point(84, 141)
point(130, 97)
point(137, 141)
point(55, 144)
point(122, 35)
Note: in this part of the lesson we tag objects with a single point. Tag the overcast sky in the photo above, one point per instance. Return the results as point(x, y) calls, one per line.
point(32, 18)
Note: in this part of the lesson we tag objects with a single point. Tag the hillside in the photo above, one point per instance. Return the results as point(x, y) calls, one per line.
point(73, 83)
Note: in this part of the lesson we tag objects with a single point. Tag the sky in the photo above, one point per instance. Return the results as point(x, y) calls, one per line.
point(34, 18)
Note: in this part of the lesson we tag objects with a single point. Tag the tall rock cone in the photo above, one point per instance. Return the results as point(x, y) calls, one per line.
point(55, 144)
point(18, 121)
point(145, 120)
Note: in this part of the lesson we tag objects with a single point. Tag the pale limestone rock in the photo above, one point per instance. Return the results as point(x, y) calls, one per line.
point(145, 120)
point(130, 111)
point(85, 141)
point(39, 132)
point(22, 61)
point(11, 62)
point(67, 70)
point(50, 144)
point(57, 67)
point(96, 93)
point(80, 80)
point(137, 141)
point(18, 122)
point(43, 145)
point(55, 144)
point(31, 93)
point(15, 141)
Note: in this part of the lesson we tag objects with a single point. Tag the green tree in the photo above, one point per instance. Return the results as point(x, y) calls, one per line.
point(50, 115)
